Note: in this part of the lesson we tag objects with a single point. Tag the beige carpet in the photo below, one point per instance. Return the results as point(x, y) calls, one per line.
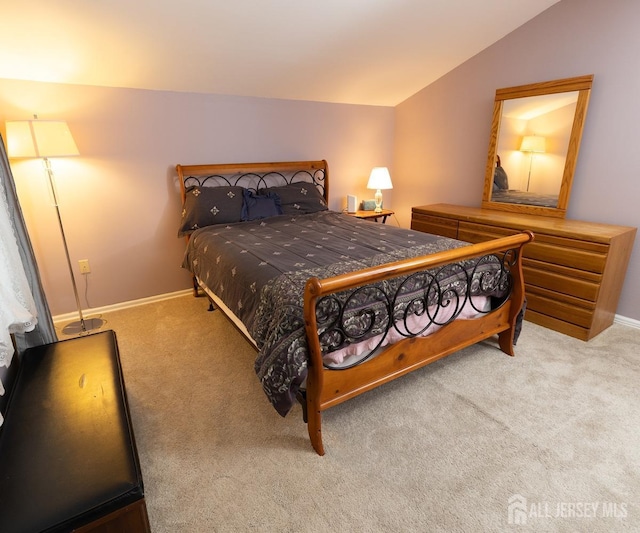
point(546, 441)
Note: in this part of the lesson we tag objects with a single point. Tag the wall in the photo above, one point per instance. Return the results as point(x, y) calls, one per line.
point(442, 132)
point(120, 202)
point(120, 199)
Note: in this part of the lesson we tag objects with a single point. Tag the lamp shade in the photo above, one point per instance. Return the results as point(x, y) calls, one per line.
point(533, 143)
point(379, 179)
point(39, 138)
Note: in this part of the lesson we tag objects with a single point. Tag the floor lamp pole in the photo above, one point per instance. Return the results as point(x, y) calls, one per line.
point(530, 164)
point(47, 165)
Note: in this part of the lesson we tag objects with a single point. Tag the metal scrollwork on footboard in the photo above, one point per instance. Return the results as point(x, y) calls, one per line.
point(412, 305)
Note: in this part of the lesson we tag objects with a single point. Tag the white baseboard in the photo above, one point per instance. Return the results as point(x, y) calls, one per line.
point(618, 319)
point(123, 305)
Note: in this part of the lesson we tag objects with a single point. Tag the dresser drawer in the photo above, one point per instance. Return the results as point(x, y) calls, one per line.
point(558, 325)
point(574, 253)
point(573, 282)
point(434, 225)
point(561, 308)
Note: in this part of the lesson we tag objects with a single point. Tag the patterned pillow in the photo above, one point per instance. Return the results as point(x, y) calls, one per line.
point(299, 198)
point(206, 206)
point(260, 205)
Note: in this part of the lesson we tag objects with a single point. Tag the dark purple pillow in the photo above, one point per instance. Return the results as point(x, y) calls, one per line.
point(206, 206)
point(257, 206)
point(299, 198)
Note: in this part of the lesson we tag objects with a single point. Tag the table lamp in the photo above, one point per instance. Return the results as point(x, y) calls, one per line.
point(379, 179)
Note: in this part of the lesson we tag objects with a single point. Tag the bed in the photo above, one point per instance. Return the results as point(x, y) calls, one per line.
point(526, 198)
point(333, 304)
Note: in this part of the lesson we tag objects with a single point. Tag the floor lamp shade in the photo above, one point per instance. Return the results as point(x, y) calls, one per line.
point(40, 138)
point(533, 143)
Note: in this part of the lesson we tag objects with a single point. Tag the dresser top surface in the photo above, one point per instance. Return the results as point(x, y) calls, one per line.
point(541, 224)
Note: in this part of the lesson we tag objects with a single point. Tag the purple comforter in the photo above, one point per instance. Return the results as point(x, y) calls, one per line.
point(259, 270)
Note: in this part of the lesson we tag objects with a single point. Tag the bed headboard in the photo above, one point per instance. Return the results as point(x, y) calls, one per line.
point(255, 176)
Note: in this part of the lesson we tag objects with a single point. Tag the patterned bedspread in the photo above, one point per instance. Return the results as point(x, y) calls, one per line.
point(526, 198)
point(259, 270)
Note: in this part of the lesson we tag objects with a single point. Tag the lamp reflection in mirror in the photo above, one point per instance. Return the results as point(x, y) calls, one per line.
point(44, 139)
point(534, 144)
point(379, 179)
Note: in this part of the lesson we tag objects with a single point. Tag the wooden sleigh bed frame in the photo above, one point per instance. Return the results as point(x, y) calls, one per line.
point(327, 387)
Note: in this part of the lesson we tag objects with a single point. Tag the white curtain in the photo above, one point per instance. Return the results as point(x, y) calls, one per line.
point(17, 308)
point(21, 297)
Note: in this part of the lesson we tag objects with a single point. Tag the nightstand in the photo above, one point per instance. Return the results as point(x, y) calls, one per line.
point(373, 215)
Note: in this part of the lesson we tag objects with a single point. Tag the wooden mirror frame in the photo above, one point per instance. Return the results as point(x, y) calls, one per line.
point(582, 84)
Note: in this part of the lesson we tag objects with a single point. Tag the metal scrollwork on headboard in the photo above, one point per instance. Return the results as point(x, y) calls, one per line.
point(409, 306)
point(255, 176)
point(257, 180)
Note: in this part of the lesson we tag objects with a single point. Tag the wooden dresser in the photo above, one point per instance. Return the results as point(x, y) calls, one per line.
point(573, 270)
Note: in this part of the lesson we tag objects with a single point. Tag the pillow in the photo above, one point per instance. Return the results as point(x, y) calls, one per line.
point(299, 198)
point(260, 205)
point(205, 206)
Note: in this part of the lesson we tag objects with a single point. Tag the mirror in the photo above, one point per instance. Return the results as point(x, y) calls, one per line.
point(533, 148)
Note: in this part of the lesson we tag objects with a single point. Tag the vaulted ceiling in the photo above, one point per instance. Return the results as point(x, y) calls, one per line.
point(375, 52)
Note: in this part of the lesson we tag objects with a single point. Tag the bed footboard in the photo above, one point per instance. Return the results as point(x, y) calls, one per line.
point(327, 386)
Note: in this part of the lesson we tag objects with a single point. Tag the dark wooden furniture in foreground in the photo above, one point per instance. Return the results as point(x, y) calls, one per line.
point(327, 387)
point(68, 460)
point(573, 272)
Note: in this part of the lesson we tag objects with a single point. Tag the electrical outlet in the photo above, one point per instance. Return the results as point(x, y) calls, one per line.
point(84, 266)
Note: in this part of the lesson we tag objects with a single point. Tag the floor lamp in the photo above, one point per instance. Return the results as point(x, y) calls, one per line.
point(44, 139)
point(534, 144)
